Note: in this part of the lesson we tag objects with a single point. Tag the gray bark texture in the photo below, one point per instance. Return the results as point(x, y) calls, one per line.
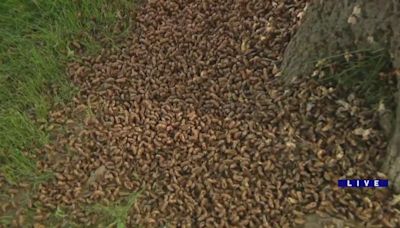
point(333, 27)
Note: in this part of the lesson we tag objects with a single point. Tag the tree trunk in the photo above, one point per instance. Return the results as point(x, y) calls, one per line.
point(333, 27)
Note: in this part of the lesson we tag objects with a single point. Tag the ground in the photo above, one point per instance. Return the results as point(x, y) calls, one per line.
point(186, 122)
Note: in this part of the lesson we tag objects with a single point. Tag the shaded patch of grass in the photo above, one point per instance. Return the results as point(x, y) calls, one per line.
point(6, 220)
point(38, 37)
point(115, 214)
point(367, 73)
point(17, 166)
point(62, 218)
point(112, 214)
point(17, 131)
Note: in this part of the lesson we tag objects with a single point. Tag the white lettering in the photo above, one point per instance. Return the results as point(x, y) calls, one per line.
point(366, 182)
point(358, 183)
point(376, 183)
point(349, 184)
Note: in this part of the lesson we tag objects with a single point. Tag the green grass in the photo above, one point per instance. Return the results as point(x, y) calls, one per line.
point(359, 72)
point(19, 167)
point(116, 213)
point(36, 39)
point(16, 130)
point(6, 220)
point(60, 217)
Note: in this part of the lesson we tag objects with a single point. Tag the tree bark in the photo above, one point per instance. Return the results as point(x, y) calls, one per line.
point(333, 27)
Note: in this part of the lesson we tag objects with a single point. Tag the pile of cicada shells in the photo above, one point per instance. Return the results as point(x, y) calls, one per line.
point(192, 115)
